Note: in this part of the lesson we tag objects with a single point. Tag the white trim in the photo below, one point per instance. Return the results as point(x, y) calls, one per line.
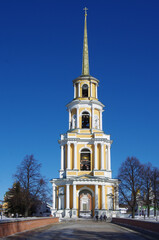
point(85, 110)
point(68, 155)
point(85, 188)
point(74, 196)
point(67, 196)
point(101, 127)
point(86, 84)
point(77, 117)
point(102, 156)
point(90, 88)
point(84, 148)
point(78, 89)
point(62, 157)
point(74, 90)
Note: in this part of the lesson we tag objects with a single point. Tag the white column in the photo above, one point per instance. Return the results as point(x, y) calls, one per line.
point(92, 117)
point(62, 157)
point(90, 89)
point(54, 196)
point(69, 119)
point(67, 196)
point(79, 89)
point(116, 197)
point(96, 196)
point(95, 156)
point(74, 90)
point(75, 155)
point(102, 156)
point(106, 152)
point(74, 196)
point(109, 158)
point(101, 127)
point(77, 117)
point(96, 92)
point(68, 155)
point(103, 197)
point(59, 202)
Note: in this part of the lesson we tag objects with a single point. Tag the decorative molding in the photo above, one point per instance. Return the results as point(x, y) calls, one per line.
point(85, 188)
point(87, 141)
point(85, 110)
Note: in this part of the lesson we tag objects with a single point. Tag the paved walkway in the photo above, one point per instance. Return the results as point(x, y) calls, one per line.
point(84, 230)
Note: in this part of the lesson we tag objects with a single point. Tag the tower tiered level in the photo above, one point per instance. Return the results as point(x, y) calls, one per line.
point(85, 186)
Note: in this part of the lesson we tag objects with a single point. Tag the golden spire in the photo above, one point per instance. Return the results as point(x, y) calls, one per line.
point(85, 62)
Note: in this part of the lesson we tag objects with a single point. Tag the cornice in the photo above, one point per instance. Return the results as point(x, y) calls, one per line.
point(80, 102)
point(84, 181)
point(85, 77)
point(92, 140)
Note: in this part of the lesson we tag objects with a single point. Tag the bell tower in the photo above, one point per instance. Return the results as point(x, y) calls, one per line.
point(85, 151)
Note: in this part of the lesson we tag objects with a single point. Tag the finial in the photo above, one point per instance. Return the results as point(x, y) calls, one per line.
point(85, 10)
point(85, 62)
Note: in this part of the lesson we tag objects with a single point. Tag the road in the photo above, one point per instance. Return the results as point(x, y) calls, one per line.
point(81, 229)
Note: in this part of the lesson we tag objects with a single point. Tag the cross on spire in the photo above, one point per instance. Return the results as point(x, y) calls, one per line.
point(85, 11)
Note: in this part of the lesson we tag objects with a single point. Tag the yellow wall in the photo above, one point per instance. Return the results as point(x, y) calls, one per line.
point(73, 111)
point(78, 187)
point(88, 83)
point(71, 155)
point(80, 118)
point(104, 156)
point(76, 90)
point(96, 112)
point(79, 146)
point(92, 187)
point(99, 197)
point(93, 90)
point(82, 83)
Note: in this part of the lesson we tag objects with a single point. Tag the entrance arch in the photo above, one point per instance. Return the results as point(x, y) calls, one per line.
point(85, 203)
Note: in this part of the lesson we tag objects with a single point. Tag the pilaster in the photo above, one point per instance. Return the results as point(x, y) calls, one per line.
point(54, 196)
point(102, 155)
point(95, 156)
point(96, 197)
point(68, 155)
point(62, 157)
point(103, 197)
point(75, 156)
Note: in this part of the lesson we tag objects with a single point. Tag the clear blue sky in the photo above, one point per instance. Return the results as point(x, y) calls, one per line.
point(40, 55)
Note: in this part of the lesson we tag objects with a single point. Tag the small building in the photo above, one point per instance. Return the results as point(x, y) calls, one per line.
point(85, 186)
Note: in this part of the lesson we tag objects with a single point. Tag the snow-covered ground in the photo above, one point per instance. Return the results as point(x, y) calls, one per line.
point(148, 219)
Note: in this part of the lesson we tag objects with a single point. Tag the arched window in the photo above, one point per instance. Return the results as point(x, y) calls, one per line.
point(85, 120)
point(85, 160)
point(85, 90)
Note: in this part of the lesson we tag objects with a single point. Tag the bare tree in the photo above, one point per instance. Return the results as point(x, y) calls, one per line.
point(34, 185)
point(155, 187)
point(147, 186)
point(130, 174)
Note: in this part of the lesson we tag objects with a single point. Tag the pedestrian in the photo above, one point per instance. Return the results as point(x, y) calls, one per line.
point(105, 217)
